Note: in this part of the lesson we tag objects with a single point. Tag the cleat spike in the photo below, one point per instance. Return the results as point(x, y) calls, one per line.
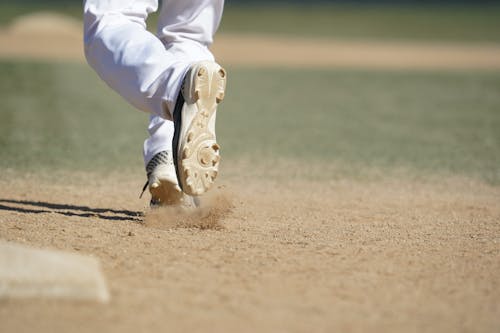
point(185, 153)
point(219, 98)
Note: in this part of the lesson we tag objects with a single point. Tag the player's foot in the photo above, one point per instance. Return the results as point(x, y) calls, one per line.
point(196, 152)
point(162, 182)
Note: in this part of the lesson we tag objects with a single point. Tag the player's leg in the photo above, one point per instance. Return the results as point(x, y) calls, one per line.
point(134, 63)
point(144, 70)
point(186, 28)
point(129, 58)
point(158, 159)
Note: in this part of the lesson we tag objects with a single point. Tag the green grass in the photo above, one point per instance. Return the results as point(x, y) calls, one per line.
point(61, 117)
point(437, 23)
point(427, 122)
point(370, 22)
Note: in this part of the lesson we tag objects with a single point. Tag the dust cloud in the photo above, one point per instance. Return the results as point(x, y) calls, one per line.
point(214, 207)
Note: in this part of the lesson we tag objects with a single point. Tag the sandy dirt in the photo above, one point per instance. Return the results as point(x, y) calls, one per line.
point(384, 256)
point(48, 36)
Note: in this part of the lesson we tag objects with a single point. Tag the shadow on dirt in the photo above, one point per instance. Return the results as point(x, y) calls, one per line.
point(39, 207)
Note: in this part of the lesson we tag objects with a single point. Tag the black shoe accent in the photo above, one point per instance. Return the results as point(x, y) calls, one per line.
point(177, 117)
point(144, 189)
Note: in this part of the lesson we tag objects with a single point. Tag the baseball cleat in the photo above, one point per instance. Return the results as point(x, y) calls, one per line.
point(162, 182)
point(196, 152)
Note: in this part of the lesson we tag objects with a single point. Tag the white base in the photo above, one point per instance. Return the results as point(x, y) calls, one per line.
point(35, 273)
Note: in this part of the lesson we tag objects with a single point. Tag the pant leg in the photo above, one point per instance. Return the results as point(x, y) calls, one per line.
point(161, 133)
point(131, 60)
point(186, 28)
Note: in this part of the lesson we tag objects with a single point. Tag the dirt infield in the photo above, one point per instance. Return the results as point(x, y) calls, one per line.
point(273, 256)
point(48, 36)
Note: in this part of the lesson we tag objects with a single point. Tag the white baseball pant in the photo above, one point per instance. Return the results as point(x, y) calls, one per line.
point(147, 69)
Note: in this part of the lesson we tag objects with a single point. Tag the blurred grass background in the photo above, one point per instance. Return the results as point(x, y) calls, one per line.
point(414, 21)
point(425, 122)
point(60, 116)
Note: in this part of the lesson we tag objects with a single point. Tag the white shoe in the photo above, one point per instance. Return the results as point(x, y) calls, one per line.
point(162, 181)
point(196, 152)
